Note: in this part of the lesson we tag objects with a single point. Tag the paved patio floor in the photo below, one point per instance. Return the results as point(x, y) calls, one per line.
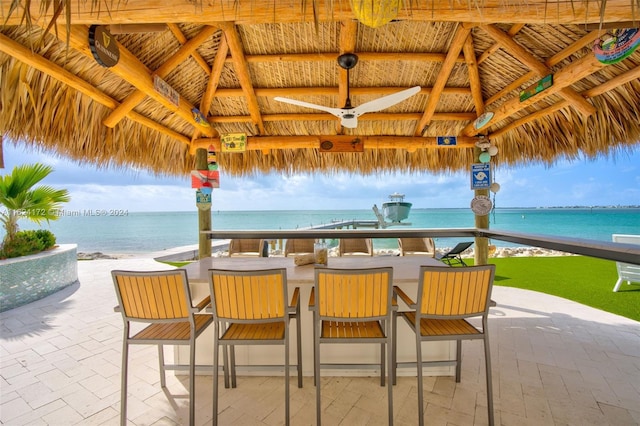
point(555, 362)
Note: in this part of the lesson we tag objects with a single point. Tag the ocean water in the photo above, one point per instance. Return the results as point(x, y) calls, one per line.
point(139, 232)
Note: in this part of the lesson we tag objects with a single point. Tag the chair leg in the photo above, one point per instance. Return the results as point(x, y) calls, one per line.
point(216, 355)
point(390, 372)
point(192, 379)
point(316, 371)
point(382, 363)
point(487, 360)
point(394, 352)
point(458, 359)
point(299, 349)
point(123, 383)
point(420, 386)
point(286, 378)
point(232, 350)
point(225, 365)
point(163, 377)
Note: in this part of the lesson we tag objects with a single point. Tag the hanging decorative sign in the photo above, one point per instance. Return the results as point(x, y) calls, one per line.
point(480, 175)
point(103, 46)
point(481, 205)
point(534, 89)
point(203, 200)
point(209, 178)
point(483, 120)
point(447, 140)
point(166, 90)
point(375, 13)
point(617, 45)
point(234, 142)
point(199, 118)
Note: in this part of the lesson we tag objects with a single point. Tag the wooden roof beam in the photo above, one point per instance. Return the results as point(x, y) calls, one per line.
point(447, 66)
point(521, 54)
point(410, 143)
point(370, 116)
point(552, 61)
point(333, 91)
point(474, 75)
point(26, 55)
point(575, 71)
point(175, 30)
point(176, 59)
point(253, 12)
point(130, 69)
point(348, 32)
point(515, 29)
point(362, 56)
point(242, 73)
point(626, 77)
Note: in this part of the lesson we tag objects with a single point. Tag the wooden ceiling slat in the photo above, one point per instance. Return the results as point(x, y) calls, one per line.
point(195, 55)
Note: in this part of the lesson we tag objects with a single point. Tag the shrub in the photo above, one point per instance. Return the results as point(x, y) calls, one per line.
point(28, 242)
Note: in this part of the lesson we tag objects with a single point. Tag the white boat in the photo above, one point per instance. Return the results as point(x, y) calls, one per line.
point(396, 209)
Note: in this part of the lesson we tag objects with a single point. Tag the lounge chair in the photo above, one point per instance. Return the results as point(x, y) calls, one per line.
point(453, 256)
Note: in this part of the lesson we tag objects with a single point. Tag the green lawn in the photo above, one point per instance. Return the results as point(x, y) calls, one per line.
point(582, 279)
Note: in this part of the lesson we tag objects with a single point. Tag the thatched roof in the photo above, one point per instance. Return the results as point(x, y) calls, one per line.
point(230, 59)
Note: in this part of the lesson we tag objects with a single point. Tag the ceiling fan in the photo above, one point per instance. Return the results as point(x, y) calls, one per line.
point(349, 114)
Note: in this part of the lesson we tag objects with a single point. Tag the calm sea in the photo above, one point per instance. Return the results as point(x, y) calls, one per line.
point(130, 232)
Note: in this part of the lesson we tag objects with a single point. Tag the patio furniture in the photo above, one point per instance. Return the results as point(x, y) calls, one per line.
point(626, 271)
point(355, 247)
point(247, 247)
point(417, 246)
point(295, 246)
point(250, 308)
point(161, 299)
point(353, 306)
point(453, 256)
point(447, 298)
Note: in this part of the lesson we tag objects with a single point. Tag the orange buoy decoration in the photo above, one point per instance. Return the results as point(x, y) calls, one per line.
point(375, 13)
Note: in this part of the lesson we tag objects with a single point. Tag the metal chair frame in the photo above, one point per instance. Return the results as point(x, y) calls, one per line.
point(454, 255)
point(447, 298)
point(344, 302)
point(161, 299)
point(241, 307)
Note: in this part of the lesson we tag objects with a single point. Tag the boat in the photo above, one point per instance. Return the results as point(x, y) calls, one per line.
point(396, 209)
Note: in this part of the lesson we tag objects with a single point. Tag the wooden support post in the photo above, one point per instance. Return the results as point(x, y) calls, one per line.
point(481, 252)
point(204, 215)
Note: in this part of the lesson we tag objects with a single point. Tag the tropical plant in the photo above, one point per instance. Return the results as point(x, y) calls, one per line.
point(22, 200)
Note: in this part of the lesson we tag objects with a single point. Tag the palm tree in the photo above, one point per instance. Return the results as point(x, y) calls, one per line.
point(23, 201)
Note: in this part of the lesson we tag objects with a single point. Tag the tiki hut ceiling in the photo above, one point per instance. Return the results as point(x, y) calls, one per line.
point(230, 59)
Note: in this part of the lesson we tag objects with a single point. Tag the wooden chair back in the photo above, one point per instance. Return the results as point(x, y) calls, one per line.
point(249, 296)
point(359, 246)
point(353, 294)
point(153, 295)
point(423, 246)
point(246, 247)
point(454, 292)
point(298, 246)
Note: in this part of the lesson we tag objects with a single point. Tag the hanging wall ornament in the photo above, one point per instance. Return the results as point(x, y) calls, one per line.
point(375, 13)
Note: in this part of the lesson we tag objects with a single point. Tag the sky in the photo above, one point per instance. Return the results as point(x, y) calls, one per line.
point(608, 181)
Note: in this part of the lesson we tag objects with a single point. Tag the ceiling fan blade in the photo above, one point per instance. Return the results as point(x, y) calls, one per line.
point(386, 101)
point(333, 111)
